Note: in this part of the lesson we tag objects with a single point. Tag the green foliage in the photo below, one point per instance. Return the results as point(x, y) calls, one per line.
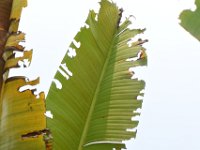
point(95, 106)
point(190, 20)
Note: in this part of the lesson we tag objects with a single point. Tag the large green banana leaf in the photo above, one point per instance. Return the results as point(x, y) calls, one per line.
point(22, 119)
point(190, 20)
point(95, 98)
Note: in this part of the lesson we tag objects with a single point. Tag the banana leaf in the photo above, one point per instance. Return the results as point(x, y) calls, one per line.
point(22, 119)
point(94, 96)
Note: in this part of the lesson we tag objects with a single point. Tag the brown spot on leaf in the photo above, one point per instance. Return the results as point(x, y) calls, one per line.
point(35, 134)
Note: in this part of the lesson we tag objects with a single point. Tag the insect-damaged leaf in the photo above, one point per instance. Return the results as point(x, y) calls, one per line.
point(22, 119)
point(190, 20)
point(94, 107)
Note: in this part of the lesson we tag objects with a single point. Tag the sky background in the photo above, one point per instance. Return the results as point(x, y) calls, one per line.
point(169, 119)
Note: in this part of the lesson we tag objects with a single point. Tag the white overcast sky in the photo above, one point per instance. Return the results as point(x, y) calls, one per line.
point(171, 108)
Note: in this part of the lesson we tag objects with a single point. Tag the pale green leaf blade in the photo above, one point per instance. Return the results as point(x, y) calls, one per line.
point(94, 107)
point(190, 20)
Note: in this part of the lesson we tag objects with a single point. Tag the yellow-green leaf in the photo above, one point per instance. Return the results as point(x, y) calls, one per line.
point(190, 20)
point(17, 8)
point(97, 100)
point(22, 113)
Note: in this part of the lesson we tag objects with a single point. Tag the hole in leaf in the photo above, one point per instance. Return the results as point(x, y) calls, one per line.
point(136, 117)
point(20, 63)
point(49, 114)
point(96, 18)
point(77, 44)
point(139, 110)
point(71, 52)
point(132, 130)
point(32, 89)
point(26, 63)
point(18, 54)
point(65, 71)
point(64, 74)
point(64, 67)
point(57, 83)
point(26, 87)
point(133, 58)
point(139, 97)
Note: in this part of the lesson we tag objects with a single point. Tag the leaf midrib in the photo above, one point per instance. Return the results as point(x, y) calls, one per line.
point(85, 130)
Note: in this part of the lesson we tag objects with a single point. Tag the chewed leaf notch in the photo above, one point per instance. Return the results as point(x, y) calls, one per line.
point(190, 21)
point(96, 106)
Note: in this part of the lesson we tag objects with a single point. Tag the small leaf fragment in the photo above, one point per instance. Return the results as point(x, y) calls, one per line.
point(190, 20)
